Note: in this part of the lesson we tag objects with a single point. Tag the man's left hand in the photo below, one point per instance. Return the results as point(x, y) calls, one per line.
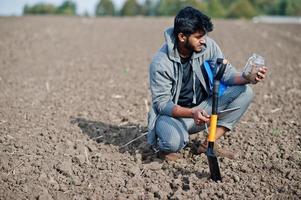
point(261, 74)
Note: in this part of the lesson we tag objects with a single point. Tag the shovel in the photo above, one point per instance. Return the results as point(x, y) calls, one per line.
point(215, 174)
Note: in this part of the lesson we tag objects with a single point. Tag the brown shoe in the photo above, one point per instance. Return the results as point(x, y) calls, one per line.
point(169, 156)
point(219, 151)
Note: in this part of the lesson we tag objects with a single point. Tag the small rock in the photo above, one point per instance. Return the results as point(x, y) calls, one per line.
point(45, 195)
point(107, 196)
point(255, 118)
point(177, 195)
point(154, 189)
point(236, 178)
point(81, 158)
point(134, 170)
point(244, 168)
point(65, 168)
point(92, 148)
point(196, 198)
point(149, 196)
point(102, 166)
point(53, 183)
point(185, 187)
point(158, 195)
point(186, 154)
point(123, 190)
point(43, 177)
point(289, 175)
point(176, 183)
point(77, 181)
point(253, 187)
point(263, 178)
point(298, 193)
point(186, 182)
point(154, 166)
point(249, 195)
point(220, 194)
point(63, 188)
point(281, 190)
point(138, 155)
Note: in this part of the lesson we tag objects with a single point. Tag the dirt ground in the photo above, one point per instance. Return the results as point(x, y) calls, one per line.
point(74, 90)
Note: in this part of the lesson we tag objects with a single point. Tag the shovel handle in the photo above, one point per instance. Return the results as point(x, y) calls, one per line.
point(216, 83)
point(212, 131)
point(220, 73)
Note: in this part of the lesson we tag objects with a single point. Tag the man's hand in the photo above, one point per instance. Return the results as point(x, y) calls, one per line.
point(261, 74)
point(200, 116)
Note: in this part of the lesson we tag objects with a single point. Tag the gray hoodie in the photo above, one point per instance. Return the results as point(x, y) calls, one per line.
point(165, 74)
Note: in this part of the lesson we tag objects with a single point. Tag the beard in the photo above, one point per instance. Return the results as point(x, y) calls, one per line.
point(188, 46)
point(191, 48)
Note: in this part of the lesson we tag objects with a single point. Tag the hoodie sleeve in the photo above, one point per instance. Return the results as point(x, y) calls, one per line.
point(161, 87)
point(230, 72)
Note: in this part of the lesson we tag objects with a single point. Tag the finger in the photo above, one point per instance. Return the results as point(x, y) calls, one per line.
point(204, 113)
point(204, 119)
point(263, 69)
point(199, 122)
point(260, 75)
point(257, 79)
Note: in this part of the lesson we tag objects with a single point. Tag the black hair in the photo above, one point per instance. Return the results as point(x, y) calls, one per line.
point(190, 20)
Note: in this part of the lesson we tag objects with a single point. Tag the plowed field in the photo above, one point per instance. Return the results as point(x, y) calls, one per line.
point(73, 91)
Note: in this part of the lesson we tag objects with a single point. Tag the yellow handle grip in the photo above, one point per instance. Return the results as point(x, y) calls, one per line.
point(212, 131)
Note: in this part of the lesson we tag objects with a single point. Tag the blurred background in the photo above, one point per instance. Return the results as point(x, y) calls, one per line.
point(214, 8)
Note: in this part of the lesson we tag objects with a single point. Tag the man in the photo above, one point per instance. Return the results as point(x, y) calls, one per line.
point(181, 98)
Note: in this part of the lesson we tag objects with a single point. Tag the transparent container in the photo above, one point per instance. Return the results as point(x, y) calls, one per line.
point(252, 66)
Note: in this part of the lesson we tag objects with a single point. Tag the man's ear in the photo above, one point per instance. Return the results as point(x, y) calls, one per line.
point(182, 37)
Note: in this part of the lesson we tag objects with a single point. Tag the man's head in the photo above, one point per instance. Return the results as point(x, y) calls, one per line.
point(191, 27)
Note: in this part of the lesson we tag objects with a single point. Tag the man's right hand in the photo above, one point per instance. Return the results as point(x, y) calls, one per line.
point(200, 116)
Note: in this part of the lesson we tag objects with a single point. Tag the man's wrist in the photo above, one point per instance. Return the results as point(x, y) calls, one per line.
point(192, 110)
point(179, 111)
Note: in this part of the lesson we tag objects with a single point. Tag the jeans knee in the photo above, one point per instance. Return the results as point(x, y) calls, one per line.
point(172, 136)
point(248, 94)
point(170, 146)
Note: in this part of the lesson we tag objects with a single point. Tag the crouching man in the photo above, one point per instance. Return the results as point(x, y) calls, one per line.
point(180, 88)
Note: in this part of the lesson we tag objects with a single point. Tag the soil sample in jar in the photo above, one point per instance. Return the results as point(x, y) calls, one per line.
point(252, 66)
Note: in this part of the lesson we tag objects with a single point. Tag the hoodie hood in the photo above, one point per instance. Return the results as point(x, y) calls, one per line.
point(173, 53)
point(170, 40)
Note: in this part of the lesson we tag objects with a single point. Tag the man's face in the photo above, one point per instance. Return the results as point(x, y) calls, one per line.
point(196, 41)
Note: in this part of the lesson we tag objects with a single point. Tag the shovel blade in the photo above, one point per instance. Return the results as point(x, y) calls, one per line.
point(215, 173)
